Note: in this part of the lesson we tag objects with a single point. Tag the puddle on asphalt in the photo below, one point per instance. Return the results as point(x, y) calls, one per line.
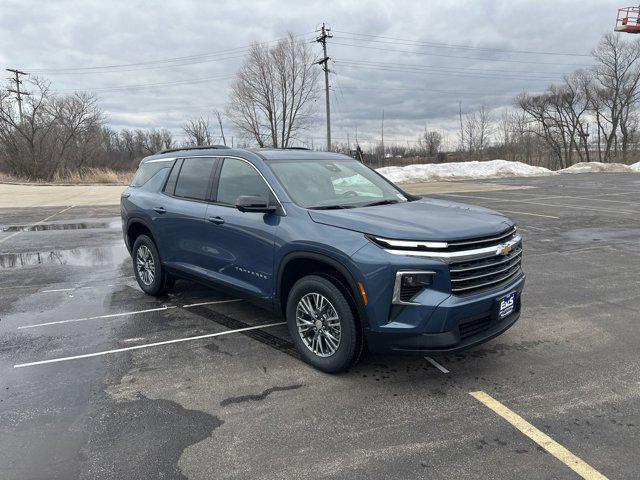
point(59, 226)
point(76, 257)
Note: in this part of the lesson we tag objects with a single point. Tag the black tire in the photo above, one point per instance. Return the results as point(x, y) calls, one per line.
point(350, 343)
point(162, 282)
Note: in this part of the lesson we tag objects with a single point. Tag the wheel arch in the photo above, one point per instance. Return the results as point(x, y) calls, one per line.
point(135, 228)
point(295, 265)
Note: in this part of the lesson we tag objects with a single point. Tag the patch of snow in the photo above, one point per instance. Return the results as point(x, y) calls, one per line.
point(635, 167)
point(588, 167)
point(462, 170)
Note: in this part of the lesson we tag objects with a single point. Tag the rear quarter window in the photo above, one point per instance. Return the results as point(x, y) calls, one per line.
point(148, 170)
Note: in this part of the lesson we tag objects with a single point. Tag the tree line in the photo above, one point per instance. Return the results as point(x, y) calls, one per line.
point(591, 115)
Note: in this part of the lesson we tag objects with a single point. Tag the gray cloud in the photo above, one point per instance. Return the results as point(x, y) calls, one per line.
point(53, 35)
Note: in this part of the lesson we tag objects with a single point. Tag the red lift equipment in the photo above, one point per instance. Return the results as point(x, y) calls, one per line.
point(628, 20)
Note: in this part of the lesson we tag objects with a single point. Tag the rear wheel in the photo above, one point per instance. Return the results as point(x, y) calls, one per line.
point(151, 276)
point(323, 325)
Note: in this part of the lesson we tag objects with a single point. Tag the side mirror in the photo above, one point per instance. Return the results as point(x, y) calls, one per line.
point(254, 203)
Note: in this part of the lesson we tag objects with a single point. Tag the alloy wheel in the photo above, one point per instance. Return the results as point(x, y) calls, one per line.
point(145, 265)
point(318, 324)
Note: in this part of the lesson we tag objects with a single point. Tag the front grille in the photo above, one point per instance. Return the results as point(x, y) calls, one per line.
point(474, 264)
point(473, 275)
point(468, 329)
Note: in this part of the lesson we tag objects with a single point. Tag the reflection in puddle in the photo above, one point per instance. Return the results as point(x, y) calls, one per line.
point(59, 226)
point(77, 257)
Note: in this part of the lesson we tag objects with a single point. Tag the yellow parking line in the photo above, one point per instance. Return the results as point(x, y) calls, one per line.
point(549, 444)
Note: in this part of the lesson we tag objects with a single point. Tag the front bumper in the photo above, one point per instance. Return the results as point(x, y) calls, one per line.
point(466, 322)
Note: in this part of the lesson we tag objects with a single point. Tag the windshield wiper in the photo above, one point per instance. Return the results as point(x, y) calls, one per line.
point(329, 207)
point(381, 202)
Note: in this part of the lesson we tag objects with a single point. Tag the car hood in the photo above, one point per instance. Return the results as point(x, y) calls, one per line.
point(424, 219)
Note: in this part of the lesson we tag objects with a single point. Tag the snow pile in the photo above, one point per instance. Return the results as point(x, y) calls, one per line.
point(588, 167)
point(635, 167)
point(461, 170)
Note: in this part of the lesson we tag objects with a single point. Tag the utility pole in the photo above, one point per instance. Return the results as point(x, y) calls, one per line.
point(17, 91)
point(324, 35)
point(382, 138)
point(461, 127)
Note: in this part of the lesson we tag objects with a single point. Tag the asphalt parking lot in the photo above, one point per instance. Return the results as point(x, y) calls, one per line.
point(131, 399)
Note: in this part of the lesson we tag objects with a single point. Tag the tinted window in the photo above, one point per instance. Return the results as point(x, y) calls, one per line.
point(193, 179)
point(173, 176)
point(148, 170)
point(239, 178)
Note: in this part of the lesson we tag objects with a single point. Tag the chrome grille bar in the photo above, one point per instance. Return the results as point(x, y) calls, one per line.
point(488, 274)
point(486, 284)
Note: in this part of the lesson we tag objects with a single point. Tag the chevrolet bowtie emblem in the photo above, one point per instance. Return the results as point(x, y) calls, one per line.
point(504, 249)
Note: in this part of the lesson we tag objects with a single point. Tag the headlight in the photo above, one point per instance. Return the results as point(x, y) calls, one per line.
point(409, 284)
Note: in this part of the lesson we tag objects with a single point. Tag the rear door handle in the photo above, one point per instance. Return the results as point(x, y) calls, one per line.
point(216, 220)
point(160, 209)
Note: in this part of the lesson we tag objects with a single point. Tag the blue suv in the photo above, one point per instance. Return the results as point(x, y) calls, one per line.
point(348, 257)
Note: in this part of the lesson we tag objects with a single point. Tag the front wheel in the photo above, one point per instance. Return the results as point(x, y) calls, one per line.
point(323, 325)
point(151, 276)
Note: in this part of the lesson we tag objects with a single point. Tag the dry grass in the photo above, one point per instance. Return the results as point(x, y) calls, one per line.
point(104, 176)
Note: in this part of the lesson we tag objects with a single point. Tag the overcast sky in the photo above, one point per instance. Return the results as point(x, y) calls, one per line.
point(414, 59)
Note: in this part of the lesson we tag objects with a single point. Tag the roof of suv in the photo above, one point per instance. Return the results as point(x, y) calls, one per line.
point(264, 153)
point(297, 154)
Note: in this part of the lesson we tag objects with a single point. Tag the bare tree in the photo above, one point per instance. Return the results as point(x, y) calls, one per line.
point(477, 127)
point(198, 132)
point(430, 142)
point(547, 119)
point(53, 133)
point(155, 141)
point(615, 91)
point(273, 94)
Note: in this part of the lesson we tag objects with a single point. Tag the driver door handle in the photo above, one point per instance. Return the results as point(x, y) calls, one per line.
point(216, 220)
point(160, 209)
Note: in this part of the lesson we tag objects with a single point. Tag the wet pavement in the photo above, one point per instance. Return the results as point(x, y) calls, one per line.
point(243, 405)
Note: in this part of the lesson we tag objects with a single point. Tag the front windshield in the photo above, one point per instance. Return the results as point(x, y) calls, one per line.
point(324, 184)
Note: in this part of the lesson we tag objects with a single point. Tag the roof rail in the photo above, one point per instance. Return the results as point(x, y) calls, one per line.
point(296, 148)
point(202, 147)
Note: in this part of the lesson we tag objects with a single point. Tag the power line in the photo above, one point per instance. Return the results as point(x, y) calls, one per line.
point(456, 56)
point(463, 69)
point(458, 46)
point(118, 88)
point(383, 67)
point(407, 89)
point(160, 63)
point(142, 68)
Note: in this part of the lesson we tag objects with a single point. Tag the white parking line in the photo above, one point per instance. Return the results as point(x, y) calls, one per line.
point(111, 315)
point(550, 197)
point(124, 314)
point(436, 364)
point(575, 207)
point(211, 303)
point(527, 213)
point(147, 345)
point(37, 223)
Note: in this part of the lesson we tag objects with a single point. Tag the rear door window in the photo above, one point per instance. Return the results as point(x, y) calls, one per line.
point(194, 178)
point(170, 186)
